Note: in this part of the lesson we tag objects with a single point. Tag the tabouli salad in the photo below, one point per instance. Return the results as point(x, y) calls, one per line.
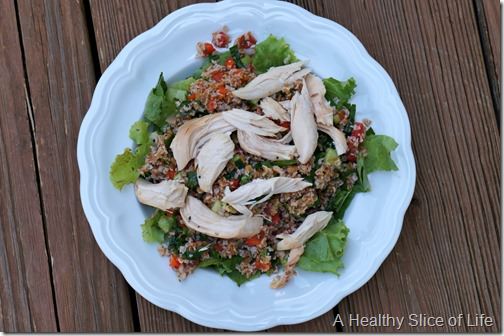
point(250, 163)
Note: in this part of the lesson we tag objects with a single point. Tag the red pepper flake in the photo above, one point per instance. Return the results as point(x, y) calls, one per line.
point(220, 38)
point(205, 49)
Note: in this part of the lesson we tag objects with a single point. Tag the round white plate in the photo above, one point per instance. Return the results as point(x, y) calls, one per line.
point(374, 218)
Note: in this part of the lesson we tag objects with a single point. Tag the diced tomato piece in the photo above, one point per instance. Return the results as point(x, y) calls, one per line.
point(174, 261)
point(220, 39)
point(285, 124)
point(230, 63)
point(276, 218)
point(246, 41)
point(192, 96)
point(234, 184)
point(170, 173)
point(217, 76)
point(358, 130)
point(262, 266)
point(205, 49)
point(255, 240)
point(211, 106)
point(222, 90)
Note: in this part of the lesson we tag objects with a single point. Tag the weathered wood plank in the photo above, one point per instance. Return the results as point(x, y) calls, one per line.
point(26, 302)
point(91, 294)
point(489, 16)
point(116, 23)
point(447, 260)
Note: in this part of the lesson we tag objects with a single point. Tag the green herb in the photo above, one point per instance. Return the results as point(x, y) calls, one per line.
point(284, 163)
point(272, 52)
point(236, 56)
point(158, 107)
point(238, 161)
point(192, 180)
point(244, 179)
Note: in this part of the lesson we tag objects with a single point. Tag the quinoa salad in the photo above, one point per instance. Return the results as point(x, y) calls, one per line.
point(250, 163)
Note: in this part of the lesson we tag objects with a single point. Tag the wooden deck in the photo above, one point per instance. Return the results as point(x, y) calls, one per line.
point(444, 57)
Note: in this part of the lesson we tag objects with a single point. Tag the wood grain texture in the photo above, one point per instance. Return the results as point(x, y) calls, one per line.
point(447, 260)
point(26, 302)
point(489, 21)
point(115, 24)
point(91, 295)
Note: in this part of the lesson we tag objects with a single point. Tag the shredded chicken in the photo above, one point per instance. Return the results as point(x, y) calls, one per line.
point(323, 111)
point(311, 225)
point(261, 190)
point(272, 109)
point(303, 126)
point(199, 217)
point(165, 195)
point(337, 137)
point(281, 280)
point(270, 149)
point(270, 82)
point(212, 159)
point(251, 122)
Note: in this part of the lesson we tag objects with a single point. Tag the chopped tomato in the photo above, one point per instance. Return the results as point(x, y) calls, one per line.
point(246, 41)
point(170, 173)
point(217, 76)
point(275, 219)
point(222, 90)
point(262, 266)
point(192, 96)
point(234, 184)
point(205, 49)
point(212, 105)
point(255, 240)
point(220, 39)
point(358, 130)
point(285, 124)
point(230, 63)
point(174, 261)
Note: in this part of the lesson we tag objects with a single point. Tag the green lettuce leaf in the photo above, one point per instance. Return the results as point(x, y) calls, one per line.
point(161, 100)
point(272, 52)
point(158, 107)
point(178, 90)
point(323, 253)
point(151, 232)
point(339, 93)
point(378, 153)
point(124, 169)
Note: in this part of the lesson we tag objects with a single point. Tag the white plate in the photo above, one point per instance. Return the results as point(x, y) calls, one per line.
point(374, 218)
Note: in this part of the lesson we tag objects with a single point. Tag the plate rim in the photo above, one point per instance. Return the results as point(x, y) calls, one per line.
point(84, 158)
